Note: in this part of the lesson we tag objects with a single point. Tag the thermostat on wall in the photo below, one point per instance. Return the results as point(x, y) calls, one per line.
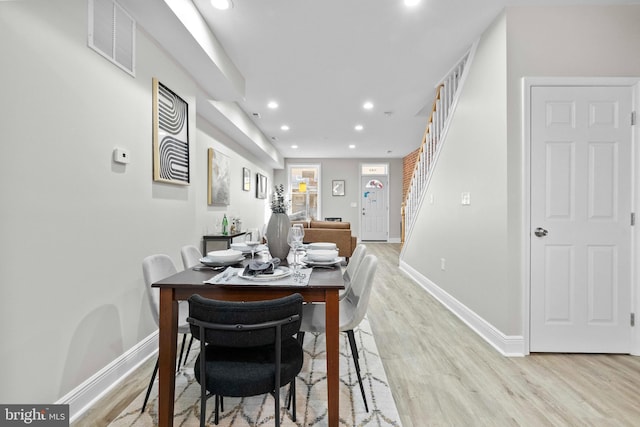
point(120, 155)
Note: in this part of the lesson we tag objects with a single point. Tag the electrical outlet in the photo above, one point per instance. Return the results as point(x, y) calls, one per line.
point(466, 198)
point(443, 264)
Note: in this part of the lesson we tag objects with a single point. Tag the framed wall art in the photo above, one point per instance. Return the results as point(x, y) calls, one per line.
point(246, 179)
point(218, 180)
point(337, 187)
point(261, 186)
point(170, 136)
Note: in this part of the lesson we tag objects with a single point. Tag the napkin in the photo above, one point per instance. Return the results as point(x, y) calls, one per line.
point(256, 267)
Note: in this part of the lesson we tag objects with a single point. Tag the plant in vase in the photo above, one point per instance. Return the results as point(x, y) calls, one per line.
point(279, 224)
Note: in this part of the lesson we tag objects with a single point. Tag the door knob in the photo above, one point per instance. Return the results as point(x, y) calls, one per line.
point(541, 232)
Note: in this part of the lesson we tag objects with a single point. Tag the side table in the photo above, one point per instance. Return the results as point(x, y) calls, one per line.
point(219, 237)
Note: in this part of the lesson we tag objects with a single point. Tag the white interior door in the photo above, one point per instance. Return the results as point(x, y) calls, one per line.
point(374, 224)
point(581, 219)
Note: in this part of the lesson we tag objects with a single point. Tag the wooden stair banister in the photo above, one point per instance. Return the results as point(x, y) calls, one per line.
point(445, 95)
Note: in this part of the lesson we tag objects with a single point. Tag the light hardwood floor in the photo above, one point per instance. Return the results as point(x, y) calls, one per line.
point(442, 374)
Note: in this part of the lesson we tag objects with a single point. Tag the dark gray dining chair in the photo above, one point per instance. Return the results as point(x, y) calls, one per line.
point(246, 348)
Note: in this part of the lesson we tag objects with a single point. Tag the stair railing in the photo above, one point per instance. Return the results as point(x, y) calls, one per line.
point(445, 97)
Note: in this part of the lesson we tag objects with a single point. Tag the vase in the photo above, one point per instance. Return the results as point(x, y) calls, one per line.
point(277, 231)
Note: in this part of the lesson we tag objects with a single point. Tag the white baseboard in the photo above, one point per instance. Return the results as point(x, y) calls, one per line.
point(512, 346)
point(394, 240)
point(81, 398)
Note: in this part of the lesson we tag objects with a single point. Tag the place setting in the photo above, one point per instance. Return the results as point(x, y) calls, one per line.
point(322, 255)
point(263, 271)
point(219, 260)
point(249, 246)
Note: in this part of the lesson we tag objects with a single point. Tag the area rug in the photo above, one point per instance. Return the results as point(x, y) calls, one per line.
point(311, 393)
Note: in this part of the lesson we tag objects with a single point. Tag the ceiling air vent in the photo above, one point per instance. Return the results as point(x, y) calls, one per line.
point(112, 33)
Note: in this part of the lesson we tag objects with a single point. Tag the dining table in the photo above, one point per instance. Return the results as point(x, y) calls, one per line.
point(324, 285)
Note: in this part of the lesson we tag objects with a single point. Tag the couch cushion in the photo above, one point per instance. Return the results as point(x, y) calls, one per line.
point(330, 224)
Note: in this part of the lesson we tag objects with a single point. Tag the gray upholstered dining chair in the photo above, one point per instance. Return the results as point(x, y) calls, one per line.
point(352, 267)
point(246, 348)
point(353, 308)
point(190, 256)
point(154, 268)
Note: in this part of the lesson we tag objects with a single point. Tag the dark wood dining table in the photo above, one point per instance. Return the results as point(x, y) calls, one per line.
point(324, 286)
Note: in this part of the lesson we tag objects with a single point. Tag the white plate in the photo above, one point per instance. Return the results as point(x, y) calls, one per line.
point(335, 261)
point(321, 255)
point(216, 263)
point(279, 273)
point(223, 256)
point(322, 246)
point(245, 249)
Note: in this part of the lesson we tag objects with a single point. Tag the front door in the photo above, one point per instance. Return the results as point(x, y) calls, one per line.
point(374, 208)
point(581, 219)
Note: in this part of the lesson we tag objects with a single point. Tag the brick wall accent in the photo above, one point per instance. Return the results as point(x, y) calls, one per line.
point(408, 164)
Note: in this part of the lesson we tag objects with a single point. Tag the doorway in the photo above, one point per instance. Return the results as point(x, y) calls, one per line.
point(374, 202)
point(580, 225)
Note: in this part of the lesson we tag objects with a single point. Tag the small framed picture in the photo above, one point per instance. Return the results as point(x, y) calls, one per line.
point(246, 179)
point(337, 187)
point(261, 186)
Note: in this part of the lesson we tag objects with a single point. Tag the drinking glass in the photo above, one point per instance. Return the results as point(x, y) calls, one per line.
point(294, 239)
point(251, 243)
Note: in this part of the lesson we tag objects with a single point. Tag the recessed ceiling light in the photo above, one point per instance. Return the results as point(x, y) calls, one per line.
point(284, 127)
point(272, 104)
point(411, 3)
point(294, 146)
point(352, 146)
point(358, 127)
point(222, 4)
point(367, 105)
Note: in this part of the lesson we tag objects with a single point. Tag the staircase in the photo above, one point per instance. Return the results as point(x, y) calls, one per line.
point(446, 96)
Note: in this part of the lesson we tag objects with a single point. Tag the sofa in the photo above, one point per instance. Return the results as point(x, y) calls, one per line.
point(330, 231)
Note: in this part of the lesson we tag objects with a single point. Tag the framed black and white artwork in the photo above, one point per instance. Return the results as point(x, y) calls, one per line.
point(170, 136)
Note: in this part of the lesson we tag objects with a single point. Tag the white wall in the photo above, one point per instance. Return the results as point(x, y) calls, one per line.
point(482, 243)
point(349, 171)
point(75, 226)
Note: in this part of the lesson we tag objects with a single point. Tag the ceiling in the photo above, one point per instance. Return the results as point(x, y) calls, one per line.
point(320, 60)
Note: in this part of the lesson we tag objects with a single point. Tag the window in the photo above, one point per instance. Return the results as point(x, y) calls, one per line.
point(374, 169)
point(304, 191)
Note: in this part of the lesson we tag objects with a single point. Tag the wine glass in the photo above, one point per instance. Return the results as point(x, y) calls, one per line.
point(299, 235)
point(294, 239)
point(264, 240)
point(251, 243)
point(301, 231)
